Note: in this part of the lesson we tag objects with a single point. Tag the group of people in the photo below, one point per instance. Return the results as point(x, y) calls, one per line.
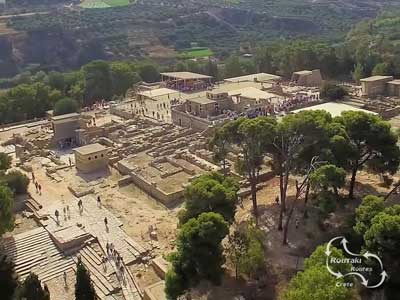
point(38, 186)
point(66, 214)
point(181, 86)
point(113, 254)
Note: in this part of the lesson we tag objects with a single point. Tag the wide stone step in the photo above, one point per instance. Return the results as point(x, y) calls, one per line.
point(34, 249)
point(28, 264)
point(24, 240)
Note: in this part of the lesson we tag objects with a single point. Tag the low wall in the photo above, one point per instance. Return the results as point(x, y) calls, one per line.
point(390, 113)
point(121, 113)
point(187, 120)
point(167, 199)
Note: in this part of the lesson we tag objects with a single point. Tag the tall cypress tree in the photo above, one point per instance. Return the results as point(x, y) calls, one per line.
point(8, 278)
point(83, 288)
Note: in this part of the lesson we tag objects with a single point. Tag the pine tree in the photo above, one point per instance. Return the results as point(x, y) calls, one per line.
point(8, 278)
point(83, 288)
point(32, 289)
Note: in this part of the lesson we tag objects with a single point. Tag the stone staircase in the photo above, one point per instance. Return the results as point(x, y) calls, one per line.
point(34, 251)
point(101, 274)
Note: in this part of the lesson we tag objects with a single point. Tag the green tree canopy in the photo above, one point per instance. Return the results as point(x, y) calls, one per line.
point(369, 208)
point(315, 282)
point(383, 238)
point(6, 209)
point(123, 77)
point(65, 106)
point(5, 161)
point(246, 251)
point(98, 81)
point(333, 92)
point(328, 176)
point(251, 137)
point(211, 192)
point(56, 81)
point(29, 101)
point(32, 289)
point(199, 254)
point(149, 72)
point(84, 289)
point(233, 67)
point(382, 69)
point(368, 142)
point(16, 181)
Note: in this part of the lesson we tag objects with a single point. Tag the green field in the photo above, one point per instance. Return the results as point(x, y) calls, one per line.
point(103, 3)
point(197, 52)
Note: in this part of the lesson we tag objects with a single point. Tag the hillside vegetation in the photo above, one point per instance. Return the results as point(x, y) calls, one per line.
point(72, 36)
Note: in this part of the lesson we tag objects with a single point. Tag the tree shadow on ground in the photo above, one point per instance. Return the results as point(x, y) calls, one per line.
point(232, 288)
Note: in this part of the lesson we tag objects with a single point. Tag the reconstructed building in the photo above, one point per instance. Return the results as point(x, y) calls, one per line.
point(394, 88)
point(308, 78)
point(251, 98)
point(91, 158)
point(375, 85)
point(185, 81)
point(64, 127)
point(153, 94)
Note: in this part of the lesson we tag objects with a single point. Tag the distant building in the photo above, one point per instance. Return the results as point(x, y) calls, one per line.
point(258, 77)
point(251, 98)
point(394, 88)
point(375, 85)
point(186, 81)
point(308, 78)
point(91, 158)
point(156, 93)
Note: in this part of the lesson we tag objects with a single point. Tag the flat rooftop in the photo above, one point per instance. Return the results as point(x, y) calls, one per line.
point(303, 72)
point(89, 149)
point(185, 75)
point(202, 100)
point(252, 93)
point(157, 92)
point(376, 78)
point(65, 116)
point(254, 77)
point(395, 82)
point(335, 109)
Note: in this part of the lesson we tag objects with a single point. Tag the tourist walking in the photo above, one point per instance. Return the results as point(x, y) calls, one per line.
point(40, 189)
point(65, 278)
point(57, 214)
point(98, 201)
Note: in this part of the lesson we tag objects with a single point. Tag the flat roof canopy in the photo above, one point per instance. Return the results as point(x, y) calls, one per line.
point(395, 82)
point(253, 77)
point(89, 149)
point(185, 75)
point(252, 93)
point(65, 116)
point(376, 78)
